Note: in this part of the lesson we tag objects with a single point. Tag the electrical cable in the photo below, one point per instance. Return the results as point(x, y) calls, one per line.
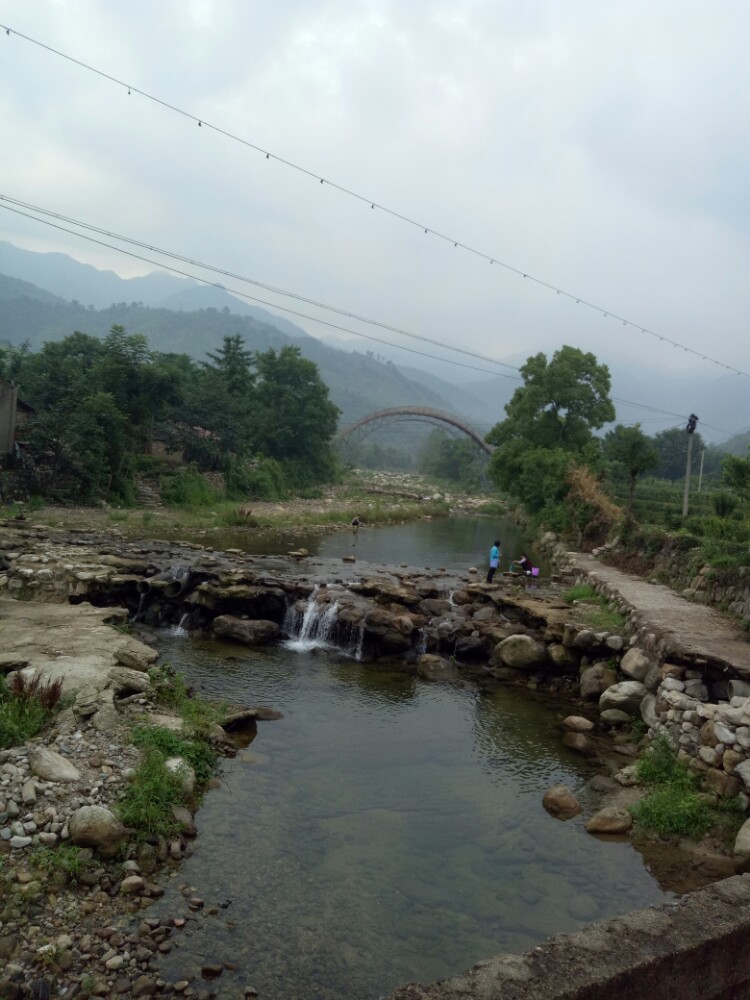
point(428, 230)
point(4, 200)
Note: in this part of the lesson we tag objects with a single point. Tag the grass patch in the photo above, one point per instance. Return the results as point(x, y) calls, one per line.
point(25, 708)
point(593, 609)
point(148, 800)
point(171, 691)
point(147, 805)
point(674, 811)
point(674, 807)
point(66, 859)
point(196, 752)
point(582, 592)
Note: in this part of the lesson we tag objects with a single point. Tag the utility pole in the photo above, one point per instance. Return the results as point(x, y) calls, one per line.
point(700, 474)
point(692, 421)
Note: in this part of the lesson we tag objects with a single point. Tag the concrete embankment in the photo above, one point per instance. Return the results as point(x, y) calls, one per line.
point(695, 949)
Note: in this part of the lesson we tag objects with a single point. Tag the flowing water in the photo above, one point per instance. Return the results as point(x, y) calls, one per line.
point(385, 830)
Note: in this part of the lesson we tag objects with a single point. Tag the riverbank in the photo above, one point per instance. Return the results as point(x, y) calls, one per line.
point(374, 498)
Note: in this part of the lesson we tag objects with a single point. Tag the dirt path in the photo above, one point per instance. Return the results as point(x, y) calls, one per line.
point(690, 631)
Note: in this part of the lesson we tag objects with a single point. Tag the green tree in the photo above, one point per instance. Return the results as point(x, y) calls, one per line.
point(633, 451)
point(550, 420)
point(293, 418)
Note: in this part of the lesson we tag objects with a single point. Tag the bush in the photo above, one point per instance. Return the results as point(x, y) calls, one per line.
point(263, 479)
point(187, 488)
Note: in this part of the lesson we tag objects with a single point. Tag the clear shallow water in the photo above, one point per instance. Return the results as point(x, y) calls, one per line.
point(453, 542)
point(386, 830)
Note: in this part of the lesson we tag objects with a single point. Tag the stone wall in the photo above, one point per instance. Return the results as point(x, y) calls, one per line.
point(691, 950)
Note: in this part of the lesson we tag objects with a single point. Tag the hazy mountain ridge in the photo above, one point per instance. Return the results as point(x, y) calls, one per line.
point(358, 384)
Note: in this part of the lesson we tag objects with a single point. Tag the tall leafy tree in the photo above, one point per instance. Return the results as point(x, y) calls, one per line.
point(294, 420)
point(633, 451)
point(550, 420)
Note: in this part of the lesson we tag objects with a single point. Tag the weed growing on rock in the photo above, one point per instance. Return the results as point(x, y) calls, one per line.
point(171, 691)
point(148, 801)
point(25, 707)
point(196, 752)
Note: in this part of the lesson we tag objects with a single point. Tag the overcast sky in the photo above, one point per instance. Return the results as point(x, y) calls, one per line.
point(601, 145)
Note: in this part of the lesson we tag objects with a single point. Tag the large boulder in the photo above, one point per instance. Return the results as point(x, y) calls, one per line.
point(648, 711)
point(635, 664)
point(97, 827)
point(595, 680)
point(250, 632)
point(742, 771)
point(52, 766)
point(521, 652)
point(560, 802)
point(577, 724)
point(625, 696)
point(742, 840)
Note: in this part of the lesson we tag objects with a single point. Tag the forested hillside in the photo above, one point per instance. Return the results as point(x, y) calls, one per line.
point(358, 383)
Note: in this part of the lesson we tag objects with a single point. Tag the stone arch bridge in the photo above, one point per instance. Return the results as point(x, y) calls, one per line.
point(351, 436)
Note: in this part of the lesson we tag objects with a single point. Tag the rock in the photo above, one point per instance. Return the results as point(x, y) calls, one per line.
point(470, 648)
point(648, 710)
point(610, 819)
point(626, 696)
point(132, 885)
point(730, 760)
point(742, 771)
point(561, 656)
point(723, 734)
point(52, 766)
point(721, 784)
point(126, 681)
point(434, 668)
point(595, 680)
point(616, 643)
point(614, 717)
point(521, 652)
point(180, 767)
point(579, 742)
point(560, 802)
point(96, 826)
point(577, 724)
point(742, 840)
point(635, 664)
point(143, 986)
point(136, 655)
point(254, 632)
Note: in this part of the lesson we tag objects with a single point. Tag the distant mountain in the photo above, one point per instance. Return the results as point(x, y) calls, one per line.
point(358, 384)
point(738, 445)
point(14, 288)
point(76, 282)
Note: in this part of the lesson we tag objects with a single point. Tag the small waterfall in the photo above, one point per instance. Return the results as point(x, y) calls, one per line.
point(313, 628)
point(141, 608)
point(420, 646)
point(450, 599)
point(358, 649)
point(179, 630)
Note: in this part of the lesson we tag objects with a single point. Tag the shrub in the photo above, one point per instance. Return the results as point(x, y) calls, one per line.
point(187, 488)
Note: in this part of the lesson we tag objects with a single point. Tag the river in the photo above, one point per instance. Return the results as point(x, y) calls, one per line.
point(386, 829)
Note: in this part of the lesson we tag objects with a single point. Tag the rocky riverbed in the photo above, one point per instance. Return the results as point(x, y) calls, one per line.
point(64, 591)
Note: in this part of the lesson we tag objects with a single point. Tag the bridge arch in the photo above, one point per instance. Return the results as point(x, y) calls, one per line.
point(357, 432)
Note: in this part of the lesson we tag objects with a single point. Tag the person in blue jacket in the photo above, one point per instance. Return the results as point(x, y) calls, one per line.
point(494, 560)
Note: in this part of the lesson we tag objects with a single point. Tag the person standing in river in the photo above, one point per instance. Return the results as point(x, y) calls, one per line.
point(494, 560)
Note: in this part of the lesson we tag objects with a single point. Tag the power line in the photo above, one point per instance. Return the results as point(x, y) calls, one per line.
point(5, 203)
point(250, 281)
point(428, 230)
point(253, 298)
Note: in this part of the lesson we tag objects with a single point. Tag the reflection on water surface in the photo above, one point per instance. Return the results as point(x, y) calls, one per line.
point(385, 830)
